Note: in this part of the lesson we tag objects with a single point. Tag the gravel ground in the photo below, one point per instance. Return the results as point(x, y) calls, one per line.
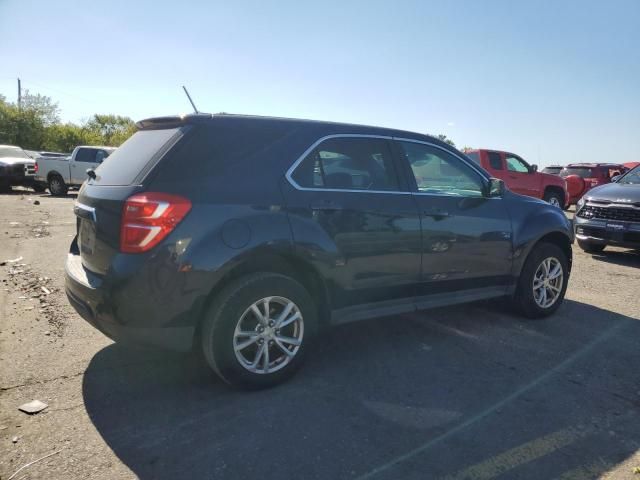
point(470, 392)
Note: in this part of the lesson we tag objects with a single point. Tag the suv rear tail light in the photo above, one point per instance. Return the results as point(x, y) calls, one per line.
point(147, 218)
point(35, 167)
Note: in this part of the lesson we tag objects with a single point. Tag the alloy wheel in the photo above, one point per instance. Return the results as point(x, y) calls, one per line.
point(547, 282)
point(268, 335)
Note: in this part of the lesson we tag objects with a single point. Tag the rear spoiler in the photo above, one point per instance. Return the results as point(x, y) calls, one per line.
point(158, 123)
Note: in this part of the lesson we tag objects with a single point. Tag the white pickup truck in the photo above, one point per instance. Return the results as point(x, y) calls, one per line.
point(60, 174)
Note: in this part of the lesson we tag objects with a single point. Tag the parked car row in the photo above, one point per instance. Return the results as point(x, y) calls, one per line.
point(41, 170)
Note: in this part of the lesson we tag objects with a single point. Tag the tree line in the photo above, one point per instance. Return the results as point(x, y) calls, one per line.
point(35, 125)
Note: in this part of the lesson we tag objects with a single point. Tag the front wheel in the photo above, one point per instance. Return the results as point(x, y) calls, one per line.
point(555, 199)
point(543, 281)
point(258, 329)
point(590, 247)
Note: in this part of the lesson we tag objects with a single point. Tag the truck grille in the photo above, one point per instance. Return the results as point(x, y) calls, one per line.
point(611, 213)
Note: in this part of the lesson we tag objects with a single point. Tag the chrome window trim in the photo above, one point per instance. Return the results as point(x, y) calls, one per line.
point(292, 168)
point(299, 160)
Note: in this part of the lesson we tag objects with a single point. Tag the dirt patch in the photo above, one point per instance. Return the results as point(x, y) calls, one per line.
point(36, 292)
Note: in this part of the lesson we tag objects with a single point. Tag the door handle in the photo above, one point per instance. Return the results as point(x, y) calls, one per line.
point(435, 213)
point(326, 205)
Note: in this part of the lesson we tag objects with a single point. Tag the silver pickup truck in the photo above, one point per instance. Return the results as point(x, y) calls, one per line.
point(60, 174)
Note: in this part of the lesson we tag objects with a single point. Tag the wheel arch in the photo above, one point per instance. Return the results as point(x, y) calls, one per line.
point(558, 190)
point(54, 173)
point(556, 237)
point(269, 261)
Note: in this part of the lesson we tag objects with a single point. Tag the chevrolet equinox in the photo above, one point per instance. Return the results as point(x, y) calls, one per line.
point(242, 236)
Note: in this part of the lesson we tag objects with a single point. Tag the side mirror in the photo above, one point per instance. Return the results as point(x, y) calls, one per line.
point(495, 188)
point(534, 168)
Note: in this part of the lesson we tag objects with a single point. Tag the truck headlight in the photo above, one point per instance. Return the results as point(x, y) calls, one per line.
point(580, 204)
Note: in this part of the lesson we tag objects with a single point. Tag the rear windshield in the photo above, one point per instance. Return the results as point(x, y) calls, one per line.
point(474, 156)
point(553, 170)
point(583, 172)
point(135, 157)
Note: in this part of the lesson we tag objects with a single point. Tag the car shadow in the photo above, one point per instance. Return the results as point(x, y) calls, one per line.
point(626, 258)
point(470, 392)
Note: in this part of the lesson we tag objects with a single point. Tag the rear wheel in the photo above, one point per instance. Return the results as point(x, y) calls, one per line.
point(554, 198)
point(543, 281)
point(57, 187)
point(257, 331)
point(4, 185)
point(591, 247)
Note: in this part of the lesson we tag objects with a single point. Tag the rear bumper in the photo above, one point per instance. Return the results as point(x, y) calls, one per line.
point(92, 299)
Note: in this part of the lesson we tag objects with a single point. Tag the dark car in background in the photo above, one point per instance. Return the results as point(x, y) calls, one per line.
point(241, 236)
point(582, 177)
point(553, 169)
point(610, 215)
point(17, 168)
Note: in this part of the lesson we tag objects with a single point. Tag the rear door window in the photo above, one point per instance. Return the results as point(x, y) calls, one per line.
point(495, 160)
point(134, 158)
point(349, 164)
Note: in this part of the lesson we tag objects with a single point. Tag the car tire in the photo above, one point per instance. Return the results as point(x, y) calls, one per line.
point(38, 188)
point(590, 247)
point(57, 187)
point(529, 299)
point(4, 185)
point(232, 321)
point(554, 199)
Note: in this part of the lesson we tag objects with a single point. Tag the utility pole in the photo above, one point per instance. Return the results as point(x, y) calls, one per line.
point(19, 95)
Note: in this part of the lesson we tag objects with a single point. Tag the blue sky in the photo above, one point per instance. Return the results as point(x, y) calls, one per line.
point(555, 81)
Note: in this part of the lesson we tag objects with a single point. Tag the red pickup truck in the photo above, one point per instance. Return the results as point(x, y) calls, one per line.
point(521, 177)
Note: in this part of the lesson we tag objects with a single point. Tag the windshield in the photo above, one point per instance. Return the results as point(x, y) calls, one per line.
point(12, 152)
point(632, 177)
point(584, 172)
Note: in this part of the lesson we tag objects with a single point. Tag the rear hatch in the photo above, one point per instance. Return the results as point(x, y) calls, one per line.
point(100, 202)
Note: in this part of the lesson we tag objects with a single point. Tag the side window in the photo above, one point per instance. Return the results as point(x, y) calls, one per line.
point(437, 171)
point(474, 157)
point(514, 164)
point(348, 164)
point(495, 160)
point(86, 155)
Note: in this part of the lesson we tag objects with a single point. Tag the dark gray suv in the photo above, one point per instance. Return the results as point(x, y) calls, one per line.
point(242, 236)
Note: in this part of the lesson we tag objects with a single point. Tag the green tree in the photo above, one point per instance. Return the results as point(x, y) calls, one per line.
point(445, 139)
point(113, 129)
point(42, 106)
point(23, 127)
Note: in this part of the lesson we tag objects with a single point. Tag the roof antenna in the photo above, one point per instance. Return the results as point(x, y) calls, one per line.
point(189, 97)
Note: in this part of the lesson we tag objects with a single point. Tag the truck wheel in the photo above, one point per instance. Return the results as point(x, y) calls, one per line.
point(4, 185)
point(257, 331)
point(38, 188)
point(543, 281)
point(554, 199)
point(57, 187)
point(590, 247)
